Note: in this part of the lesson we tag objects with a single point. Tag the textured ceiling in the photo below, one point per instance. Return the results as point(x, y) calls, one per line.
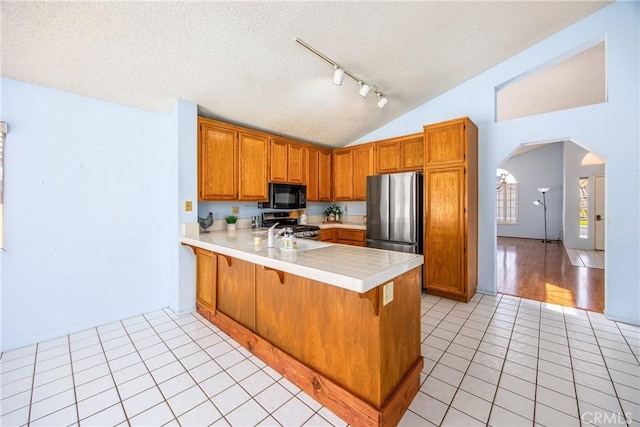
point(238, 60)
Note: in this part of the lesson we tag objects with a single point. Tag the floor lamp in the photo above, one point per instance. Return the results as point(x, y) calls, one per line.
point(543, 190)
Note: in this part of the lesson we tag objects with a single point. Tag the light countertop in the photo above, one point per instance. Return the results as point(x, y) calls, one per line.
point(351, 225)
point(350, 267)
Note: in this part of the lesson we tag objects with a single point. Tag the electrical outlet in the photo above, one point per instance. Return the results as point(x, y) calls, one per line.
point(235, 210)
point(188, 206)
point(387, 293)
point(346, 208)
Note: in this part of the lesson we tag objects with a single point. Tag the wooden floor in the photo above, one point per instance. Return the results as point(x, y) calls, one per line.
point(531, 269)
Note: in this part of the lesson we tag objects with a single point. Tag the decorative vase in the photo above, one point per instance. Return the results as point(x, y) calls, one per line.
point(337, 217)
point(332, 217)
point(231, 227)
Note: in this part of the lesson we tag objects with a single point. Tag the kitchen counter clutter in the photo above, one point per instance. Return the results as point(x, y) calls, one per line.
point(340, 322)
point(353, 268)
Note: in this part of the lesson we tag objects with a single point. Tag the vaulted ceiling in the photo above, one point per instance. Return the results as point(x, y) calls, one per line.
point(238, 60)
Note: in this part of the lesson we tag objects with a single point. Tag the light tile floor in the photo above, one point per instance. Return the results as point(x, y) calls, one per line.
point(499, 361)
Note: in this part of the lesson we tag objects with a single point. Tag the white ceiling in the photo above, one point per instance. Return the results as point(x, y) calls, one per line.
point(238, 60)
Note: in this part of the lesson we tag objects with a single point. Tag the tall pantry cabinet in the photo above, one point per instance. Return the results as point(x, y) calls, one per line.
point(451, 209)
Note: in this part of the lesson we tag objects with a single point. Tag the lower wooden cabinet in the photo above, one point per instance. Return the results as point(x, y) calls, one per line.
point(236, 294)
point(328, 235)
point(344, 236)
point(351, 237)
point(206, 279)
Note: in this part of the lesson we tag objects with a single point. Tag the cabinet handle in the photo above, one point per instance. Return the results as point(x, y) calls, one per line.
point(227, 258)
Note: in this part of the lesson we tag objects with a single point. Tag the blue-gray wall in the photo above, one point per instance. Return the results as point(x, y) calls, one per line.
point(542, 167)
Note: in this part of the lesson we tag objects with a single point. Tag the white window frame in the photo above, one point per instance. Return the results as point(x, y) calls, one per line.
point(583, 205)
point(505, 204)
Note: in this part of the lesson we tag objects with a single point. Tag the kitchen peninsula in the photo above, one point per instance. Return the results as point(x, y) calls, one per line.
point(341, 322)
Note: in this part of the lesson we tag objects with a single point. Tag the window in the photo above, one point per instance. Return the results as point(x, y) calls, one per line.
point(584, 208)
point(506, 198)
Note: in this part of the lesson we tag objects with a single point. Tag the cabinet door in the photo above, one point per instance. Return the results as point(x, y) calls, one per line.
point(253, 150)
point(324, 175)
point(351, 237)
point(387, 157)
point(296, 164)
point(237, 290)
point(312, 178)
point(444, 231)
point(206, 279)
point(218, 163)
point(411, 153)
point(279, 164)
point(362, 167)
point(343, 174)
point(328, 235)
point(445, 143)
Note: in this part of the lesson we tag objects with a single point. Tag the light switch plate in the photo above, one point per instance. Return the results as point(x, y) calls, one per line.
point(235, 210)
point(387, 293)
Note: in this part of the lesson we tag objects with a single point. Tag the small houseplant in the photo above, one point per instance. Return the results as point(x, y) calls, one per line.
point(332, 213)
point(231, 222)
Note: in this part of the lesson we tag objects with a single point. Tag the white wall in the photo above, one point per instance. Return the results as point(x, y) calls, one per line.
point(610, 129)
point(184, 171)
point(87, 234)
point(542, 167)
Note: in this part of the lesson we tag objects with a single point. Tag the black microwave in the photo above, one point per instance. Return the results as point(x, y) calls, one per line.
point(286, 196)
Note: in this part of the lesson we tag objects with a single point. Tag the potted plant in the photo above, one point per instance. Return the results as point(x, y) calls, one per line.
point(231, 222)
point(332, 213)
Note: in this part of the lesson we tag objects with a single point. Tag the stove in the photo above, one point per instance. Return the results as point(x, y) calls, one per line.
point(290, 220)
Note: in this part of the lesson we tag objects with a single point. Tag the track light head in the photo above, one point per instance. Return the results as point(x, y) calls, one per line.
point(338, 75)
point(382, 100)
point(364, 89)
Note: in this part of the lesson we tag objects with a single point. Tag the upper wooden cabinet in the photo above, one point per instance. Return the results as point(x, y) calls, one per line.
point(362, 168)
point(351, 166)
point(287, 161)
point(451, 209)
point(324, 175)
point(318, 176)
point(233, 162)
point(412, 148)
point(387, 156)
point(253, 149)
point(217, 161)
point(400, 154)
point(342, 174)
point(446, 143)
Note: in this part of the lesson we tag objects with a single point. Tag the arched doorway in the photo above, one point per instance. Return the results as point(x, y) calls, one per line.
point(546, 215)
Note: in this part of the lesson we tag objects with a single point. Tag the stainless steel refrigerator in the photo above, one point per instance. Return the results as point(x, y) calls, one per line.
point(394, 212)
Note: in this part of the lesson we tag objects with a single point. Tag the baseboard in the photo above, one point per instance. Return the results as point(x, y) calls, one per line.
point(635, 322)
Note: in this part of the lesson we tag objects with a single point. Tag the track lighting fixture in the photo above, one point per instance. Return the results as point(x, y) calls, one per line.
point(338, 76)
point(364, 89)
point(382, 100)
point(339, 73)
